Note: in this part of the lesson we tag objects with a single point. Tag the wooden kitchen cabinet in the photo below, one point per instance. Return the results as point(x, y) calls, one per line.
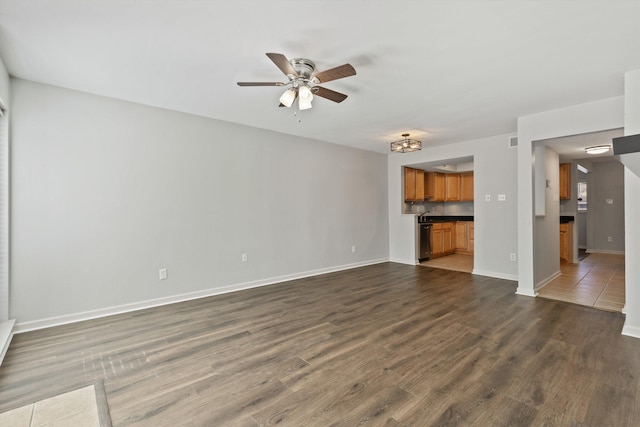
point(466, 187)
point(566, 242)
point(464, 237)
point(442, 239)
point(448, 187)
point(565, 181)
point(452, 187)
point(413, 185)
point(434, 186)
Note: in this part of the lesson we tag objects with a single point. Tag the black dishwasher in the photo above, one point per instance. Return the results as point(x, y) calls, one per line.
point(424, 239)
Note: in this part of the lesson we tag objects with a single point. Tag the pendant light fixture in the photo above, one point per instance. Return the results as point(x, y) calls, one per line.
point(406, 145)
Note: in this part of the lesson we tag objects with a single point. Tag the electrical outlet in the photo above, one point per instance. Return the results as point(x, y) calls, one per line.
point(244, 257)
point(162, 273)
point(512, 256)
point(502, 197)
point(353, 249)
point(487, 197)
point(609, 239)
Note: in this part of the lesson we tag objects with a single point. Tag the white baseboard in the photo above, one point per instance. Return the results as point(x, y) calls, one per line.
point(405, 261)
point(631, 331)
point(541, 284)
point(495, 274)
point(125, 308)
point(526, 292)
point(6, 333)
point(604, 251)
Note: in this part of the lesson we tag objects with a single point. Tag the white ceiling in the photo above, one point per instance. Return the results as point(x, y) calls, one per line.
point(445, 71)
point(572, 147)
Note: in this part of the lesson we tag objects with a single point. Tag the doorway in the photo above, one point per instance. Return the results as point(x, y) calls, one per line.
point(595, 275)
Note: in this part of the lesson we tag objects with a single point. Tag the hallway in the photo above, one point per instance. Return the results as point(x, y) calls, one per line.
point(596, 281)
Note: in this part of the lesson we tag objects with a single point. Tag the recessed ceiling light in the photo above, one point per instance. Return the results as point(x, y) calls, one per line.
point(597, 149)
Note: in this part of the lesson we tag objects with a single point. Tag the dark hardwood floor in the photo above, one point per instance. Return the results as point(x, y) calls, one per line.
point(384, 345)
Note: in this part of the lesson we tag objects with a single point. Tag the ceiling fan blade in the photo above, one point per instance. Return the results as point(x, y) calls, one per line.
point(336, 73)
point(282, 62)
point(260, 84)
point(329, 94)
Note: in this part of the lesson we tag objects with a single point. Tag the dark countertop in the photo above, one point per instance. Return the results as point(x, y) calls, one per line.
point(444, 218)
point(566, 218)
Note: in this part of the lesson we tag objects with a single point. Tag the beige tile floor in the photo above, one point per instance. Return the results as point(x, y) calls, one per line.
point(596, 281)
point(75, 408)
point(456, 262)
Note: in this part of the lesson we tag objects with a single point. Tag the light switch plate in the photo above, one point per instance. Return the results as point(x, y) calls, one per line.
point(487, 197)
point(502, 197)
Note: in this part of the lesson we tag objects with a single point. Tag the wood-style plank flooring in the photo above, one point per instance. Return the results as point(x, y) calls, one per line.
point(383, 345)
point(596, 281)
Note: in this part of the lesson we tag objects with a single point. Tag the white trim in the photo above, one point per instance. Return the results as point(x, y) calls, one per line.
point(604, 251)
point(546, 281)
point(125, 308)
point(526, 292)
point(405, 261)
point(631, 331)
point(6, 333)
point(495, 274)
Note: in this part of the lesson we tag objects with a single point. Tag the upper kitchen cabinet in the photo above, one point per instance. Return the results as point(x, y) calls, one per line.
point(565, 181)
point(413, 185)
point(448, 187)
point(434, 186)
point(466, 187)
point(452, 187)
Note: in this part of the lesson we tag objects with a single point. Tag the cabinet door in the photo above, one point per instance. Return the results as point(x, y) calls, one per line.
point(436, 241)
point(413, 185)
point(462, 239)
point(466, 187)
point(409, 185)
point(563, 242)
point(471, 243)
point(452, 187)
point(419, 185)
point(440, 187)
point(565, 181)
point(447, 237)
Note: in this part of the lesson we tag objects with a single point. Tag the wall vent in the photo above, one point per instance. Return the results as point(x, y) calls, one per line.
point(513, 141)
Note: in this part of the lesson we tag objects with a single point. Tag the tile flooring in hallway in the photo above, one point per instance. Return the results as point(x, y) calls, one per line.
point(596, 281)
point(456, 262)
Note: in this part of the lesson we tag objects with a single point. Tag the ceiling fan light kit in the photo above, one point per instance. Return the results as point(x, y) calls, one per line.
point(406, 145)
point(303, 81)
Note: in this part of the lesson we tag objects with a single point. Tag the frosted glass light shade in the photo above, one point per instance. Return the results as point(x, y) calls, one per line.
point(288, 97)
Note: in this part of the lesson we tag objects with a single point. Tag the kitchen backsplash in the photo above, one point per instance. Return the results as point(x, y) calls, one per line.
point(439, 208)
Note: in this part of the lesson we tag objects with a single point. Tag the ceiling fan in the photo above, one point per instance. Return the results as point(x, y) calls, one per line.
point(303, 80)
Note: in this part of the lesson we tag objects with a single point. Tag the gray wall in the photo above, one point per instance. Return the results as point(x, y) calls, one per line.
point(106, 192)
point(547, 227)
point(495, 222)
point(4, 200)
point(606, 182)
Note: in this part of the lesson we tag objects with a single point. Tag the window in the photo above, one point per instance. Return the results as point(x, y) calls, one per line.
point(582, 196)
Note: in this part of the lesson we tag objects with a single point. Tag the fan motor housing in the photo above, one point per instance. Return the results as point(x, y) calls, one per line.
point(303, 66)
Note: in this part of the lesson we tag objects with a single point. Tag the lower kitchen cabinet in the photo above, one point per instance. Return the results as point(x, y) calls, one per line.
point(464, 237)
point(442, 239)
point(566, 242)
